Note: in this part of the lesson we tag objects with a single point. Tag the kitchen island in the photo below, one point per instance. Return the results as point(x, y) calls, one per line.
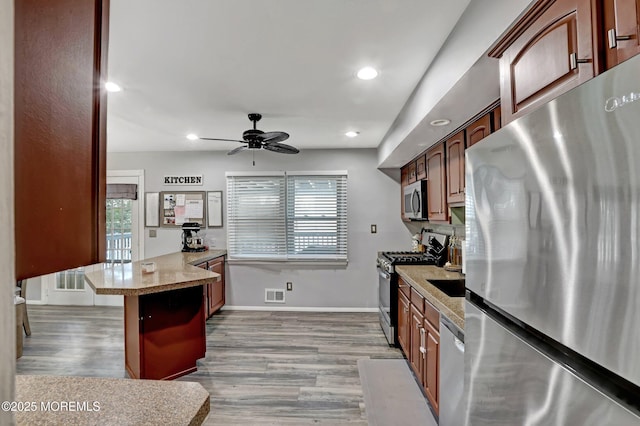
point(164, 312)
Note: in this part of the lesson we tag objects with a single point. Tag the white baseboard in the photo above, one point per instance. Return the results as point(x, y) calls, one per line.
point(35, 302)
point(296, 309)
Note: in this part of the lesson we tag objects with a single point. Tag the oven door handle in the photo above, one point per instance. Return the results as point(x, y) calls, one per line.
point(384, 274)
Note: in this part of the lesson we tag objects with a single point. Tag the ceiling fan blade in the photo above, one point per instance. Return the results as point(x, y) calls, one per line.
point(225, 140)
point(280, 148)
point(237, 150)
point(273, 137)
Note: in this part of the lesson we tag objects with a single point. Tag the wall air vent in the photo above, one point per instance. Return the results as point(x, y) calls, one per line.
point(273, 295)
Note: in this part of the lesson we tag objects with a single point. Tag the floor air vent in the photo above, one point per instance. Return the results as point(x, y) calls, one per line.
point(273, 295)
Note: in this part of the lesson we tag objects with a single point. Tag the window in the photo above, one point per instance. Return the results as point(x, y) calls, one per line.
point(287, 216)
point(119, 224)
point(72, 279)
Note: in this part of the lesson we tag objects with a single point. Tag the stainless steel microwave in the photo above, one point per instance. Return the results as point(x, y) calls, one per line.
point(414, 200)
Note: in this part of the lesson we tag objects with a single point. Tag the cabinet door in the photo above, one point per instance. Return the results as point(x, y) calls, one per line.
point(421, 169)
point(412, 171)
point(403, 323)
point(552, 55)
point(622, 27)
point(478, 130)
point(431, 380)
point(216, 290)
point(497, 120)
point(436, 184)
point(455, 168)
point(60, 134)
point(417, 342)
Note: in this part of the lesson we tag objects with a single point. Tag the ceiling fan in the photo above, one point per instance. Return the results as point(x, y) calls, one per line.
point(257, 139)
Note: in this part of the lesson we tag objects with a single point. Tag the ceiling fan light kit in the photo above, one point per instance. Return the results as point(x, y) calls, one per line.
point(255, 139)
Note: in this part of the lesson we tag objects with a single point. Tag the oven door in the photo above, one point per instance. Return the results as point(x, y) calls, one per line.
point(386, 305)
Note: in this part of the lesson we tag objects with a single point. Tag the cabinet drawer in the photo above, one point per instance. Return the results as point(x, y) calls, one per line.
point(432, 315)
point(404, 287)
point(416, 299)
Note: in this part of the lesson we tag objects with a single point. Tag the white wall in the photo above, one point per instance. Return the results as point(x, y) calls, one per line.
point(373, 198)
point(7, 271)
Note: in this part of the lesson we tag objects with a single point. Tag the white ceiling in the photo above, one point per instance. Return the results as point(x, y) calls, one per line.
point(201, 65)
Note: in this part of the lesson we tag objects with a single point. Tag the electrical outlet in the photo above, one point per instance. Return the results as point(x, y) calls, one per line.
point(374, 229)
point(289, 286)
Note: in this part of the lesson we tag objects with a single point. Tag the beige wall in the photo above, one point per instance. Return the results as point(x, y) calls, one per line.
point(7, 274)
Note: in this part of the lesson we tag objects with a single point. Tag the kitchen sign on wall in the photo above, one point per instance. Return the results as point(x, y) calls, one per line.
point(183, 180)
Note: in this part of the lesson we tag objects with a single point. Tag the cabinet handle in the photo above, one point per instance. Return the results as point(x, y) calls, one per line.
point(423, 350)
point(614, 38)
point(574, 61)
point(406, 309)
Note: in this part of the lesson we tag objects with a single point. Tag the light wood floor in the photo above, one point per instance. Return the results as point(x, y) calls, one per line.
point(260, 367)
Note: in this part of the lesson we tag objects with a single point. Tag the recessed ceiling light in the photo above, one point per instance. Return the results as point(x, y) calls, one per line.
point(440, 122)
point(112, 87)
point(192, 137)
point(351, 134)
point(367, 73)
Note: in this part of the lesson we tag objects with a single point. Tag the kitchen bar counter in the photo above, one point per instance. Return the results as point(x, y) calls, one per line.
point(164, 311)
point(418, 276)
point(173, 271)
point(106, 401)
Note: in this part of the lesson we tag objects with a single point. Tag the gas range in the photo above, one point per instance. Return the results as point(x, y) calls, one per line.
point(389, 259)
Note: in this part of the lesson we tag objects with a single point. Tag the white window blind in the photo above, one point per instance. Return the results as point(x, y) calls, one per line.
point(317, 217)
point(256, 217)
point(299, 216)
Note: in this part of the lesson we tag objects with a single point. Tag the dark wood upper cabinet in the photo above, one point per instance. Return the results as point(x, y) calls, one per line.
point(412, 172)
point(436, 184)
point(552, 49)
point(622, 30)
point(60, 134)
point(421, 168)
point(497, 119)
point(478, 130)
point(455, 168)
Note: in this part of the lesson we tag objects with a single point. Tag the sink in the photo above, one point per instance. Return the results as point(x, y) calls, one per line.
point(452, 288)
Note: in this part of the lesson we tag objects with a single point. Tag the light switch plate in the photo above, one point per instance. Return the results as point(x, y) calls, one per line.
point(374, 229)
point(152, 233)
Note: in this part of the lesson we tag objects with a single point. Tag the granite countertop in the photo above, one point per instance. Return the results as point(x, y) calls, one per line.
point(418, 277)
point(173, 271)
point(107, 401)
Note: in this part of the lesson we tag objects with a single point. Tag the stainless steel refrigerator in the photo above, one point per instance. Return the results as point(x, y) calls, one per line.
point(552, 321)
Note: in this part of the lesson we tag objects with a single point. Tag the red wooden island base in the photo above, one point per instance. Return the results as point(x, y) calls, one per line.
point(164, 333)
point(164, 311)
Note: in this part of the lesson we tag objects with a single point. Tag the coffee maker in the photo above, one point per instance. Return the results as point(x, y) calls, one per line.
point(191, 242)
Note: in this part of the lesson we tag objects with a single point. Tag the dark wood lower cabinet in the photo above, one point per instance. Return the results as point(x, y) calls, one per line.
point(215, 291)
point(164, 333)
point(214, 298)
point(431, 377)
point(404, 322)
point(419, 339)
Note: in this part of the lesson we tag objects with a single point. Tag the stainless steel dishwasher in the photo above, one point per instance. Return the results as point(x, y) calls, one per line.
point(451, 373)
